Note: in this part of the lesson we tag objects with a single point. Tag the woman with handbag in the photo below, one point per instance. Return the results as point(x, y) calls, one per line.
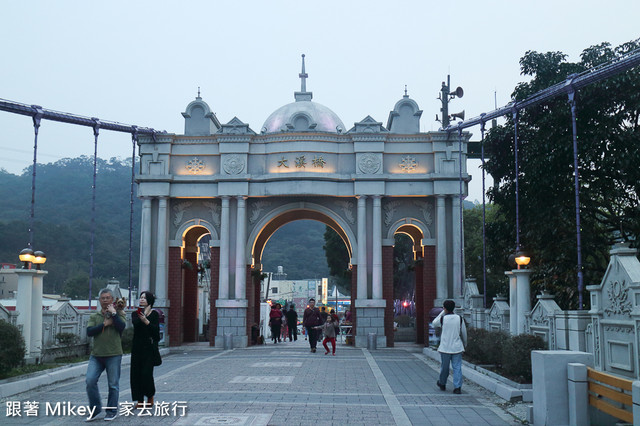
point(144, 350)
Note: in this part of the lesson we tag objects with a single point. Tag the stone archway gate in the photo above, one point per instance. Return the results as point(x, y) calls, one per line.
point(239, 186)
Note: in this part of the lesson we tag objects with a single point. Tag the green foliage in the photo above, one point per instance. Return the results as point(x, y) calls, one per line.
point(12, 347)
point(496, 251)
point(516, 360)
point(127, 339)
point(63, 221)
point(403, 320)
point(297, 246)
point(608, 127)
point(485, 347)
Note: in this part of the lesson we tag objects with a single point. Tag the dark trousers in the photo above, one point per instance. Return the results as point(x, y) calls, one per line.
point(275, 332)
point(293, 331)
point(313, 337)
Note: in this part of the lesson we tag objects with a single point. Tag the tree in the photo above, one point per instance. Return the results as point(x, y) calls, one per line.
point(608, 130)
point(338, 260)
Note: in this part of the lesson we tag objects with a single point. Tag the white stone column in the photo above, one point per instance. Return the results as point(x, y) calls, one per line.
point(241, 231)
point(441, 250)
point(456, 247)
point(376, 277)
point(362, 248)
point(24, 304)
point(145, 247)
point(523, 296)
point(162, 244)
point(223, 291)
point(513, 303)
point(36, 315)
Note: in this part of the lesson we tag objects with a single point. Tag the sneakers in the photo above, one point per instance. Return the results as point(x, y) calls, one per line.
point(457, 391)
point(110, 416)
point(326, 353)
point(95, 416)
point(442, 387)
point(313, 350)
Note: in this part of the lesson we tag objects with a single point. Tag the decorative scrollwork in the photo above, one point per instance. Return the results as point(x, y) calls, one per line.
point(179, 209)
point(408, 164)
point(426, 209)
point(195, 165)
point(256, 209)
point(618, 293)
point(214, 209)
point(347, 209)
point(389, 211)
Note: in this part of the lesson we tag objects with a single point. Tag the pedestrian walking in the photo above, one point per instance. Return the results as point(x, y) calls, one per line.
point(311, 319)
point(105, 326)
point(453, 339)
point(292, 323)
point(275, 321)
point(146, 334)
point(329, 331)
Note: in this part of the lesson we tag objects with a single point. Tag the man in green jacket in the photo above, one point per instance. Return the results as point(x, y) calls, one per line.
point(105, 326)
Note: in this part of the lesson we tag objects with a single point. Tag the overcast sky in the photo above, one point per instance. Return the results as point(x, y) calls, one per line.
point(141, 62)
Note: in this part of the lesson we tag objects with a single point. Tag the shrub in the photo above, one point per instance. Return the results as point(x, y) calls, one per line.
point(517, 355)
point(127, 339)
point(403, 320)
point(485, 347)
point(475, 344)
point(12, 347)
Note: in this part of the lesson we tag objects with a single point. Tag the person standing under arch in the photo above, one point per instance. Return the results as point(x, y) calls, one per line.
point(311, 319)
point(292, 323)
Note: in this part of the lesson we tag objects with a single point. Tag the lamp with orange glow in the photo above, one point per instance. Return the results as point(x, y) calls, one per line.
point(522, 258)
point(26, 256)
point(39, 259)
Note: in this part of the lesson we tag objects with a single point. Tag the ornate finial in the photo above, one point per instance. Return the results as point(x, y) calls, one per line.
point(405, 91)
point(303, 76)
point(198, 93)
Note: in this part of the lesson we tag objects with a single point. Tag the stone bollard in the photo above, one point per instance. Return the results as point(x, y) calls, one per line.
point(228, 341)
point(578, 394)
point(372, 341)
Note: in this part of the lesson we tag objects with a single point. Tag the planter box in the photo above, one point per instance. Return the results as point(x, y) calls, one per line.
point(493, 382)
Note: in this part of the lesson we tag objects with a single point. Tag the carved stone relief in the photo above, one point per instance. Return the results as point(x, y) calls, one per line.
point(618, 294)
point(408, 164)
point(179, 209)
point(389, 211)
point(256, 210)
point(214, 210)
point(195, 166)
point(369, 163)
point(347, 208)
point(427, 211)
point(233, 164)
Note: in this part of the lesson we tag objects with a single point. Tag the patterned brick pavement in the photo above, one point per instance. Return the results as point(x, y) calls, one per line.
point(286, 384)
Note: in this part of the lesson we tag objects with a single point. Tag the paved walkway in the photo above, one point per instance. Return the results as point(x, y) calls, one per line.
point(286, 384)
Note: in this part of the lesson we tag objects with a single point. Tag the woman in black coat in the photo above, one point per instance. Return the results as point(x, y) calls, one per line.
point(146, 334)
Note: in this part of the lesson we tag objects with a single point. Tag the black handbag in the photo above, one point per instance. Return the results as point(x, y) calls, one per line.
point(155, 355)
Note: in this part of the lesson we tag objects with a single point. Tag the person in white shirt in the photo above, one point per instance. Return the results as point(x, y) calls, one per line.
point(453, 339)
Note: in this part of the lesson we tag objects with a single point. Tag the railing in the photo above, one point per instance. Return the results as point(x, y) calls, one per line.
point(603, 387)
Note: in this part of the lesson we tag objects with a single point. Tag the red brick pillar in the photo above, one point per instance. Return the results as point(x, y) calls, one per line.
point(354, 296)
point(213, 293)
point(419, 301)
point(190, 309)
point(173, 319)
point(387, 292)
point(429, 285)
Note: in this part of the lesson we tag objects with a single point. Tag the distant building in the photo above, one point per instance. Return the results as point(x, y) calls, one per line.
point(8, 281)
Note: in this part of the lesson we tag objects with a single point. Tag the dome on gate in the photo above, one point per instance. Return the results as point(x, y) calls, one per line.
point(303, 115)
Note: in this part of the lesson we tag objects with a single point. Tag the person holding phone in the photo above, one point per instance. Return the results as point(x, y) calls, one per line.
point(146, 334)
